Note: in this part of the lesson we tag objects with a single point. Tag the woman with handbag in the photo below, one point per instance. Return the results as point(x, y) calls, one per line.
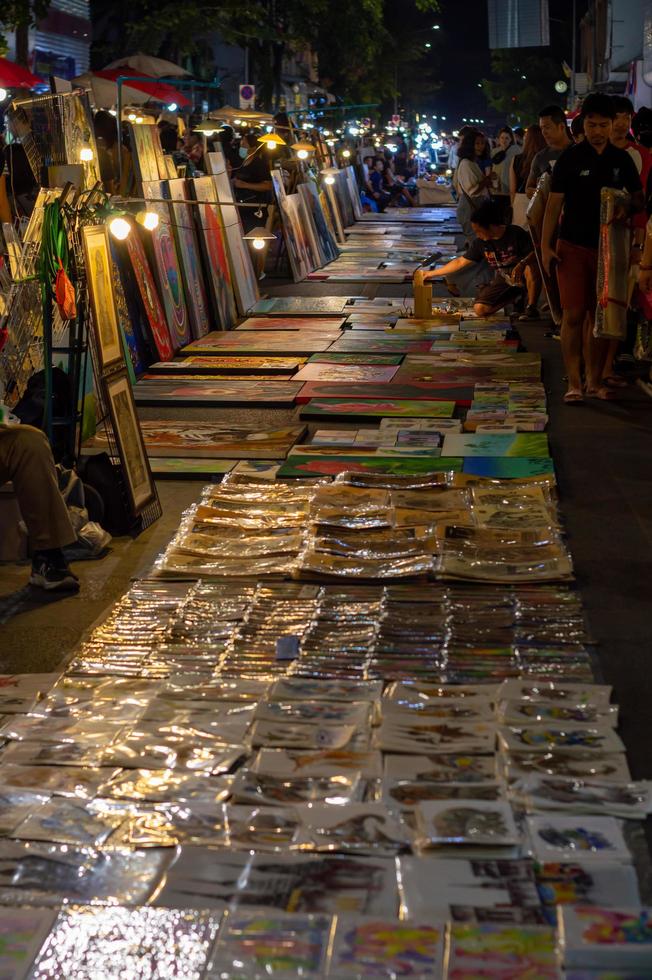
point(471, 182)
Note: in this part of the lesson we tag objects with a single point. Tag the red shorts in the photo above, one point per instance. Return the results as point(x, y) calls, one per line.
point(577, 274)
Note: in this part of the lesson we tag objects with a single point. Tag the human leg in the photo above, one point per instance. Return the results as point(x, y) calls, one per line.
point(493, 295)
point(571, 346)
point(576, 277)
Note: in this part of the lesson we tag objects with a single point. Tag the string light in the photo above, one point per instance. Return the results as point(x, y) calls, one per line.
point(346, 154)
point(172, 107)
point(119, 228)
point(148, 219)
point(3, 94)
point(329, 179)
point(85, 154)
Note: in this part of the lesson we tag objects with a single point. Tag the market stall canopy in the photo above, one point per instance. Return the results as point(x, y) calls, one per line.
point(147, 64)
point(104, 87)
point(15, 76)
point(230, 114)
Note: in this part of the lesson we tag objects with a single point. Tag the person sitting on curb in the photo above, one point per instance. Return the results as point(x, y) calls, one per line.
point(26, 460)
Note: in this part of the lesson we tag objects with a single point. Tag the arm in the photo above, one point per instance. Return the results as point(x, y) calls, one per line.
point(512, 180)
point(550, 224)
point(421, 276)
point(531, 185)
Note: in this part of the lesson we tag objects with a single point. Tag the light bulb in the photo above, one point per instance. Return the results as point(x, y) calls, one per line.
point(346, 153)
point(139, 119)
point(329, 180)
point(3, 94)
point(237, 122)
point(119, 228)
point(302, 154)
point(271, 144)
point(258, 243)
point(172, 107)
point(132, 117)
point(85, 154)
point(113, 112)
point(148, 219)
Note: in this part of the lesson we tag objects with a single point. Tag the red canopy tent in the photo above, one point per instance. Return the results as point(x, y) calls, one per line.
point(15, 76)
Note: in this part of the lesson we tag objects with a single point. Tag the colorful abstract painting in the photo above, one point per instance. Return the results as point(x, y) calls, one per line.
point(361, 358)
point(342, 373)
point(259, 342)
point(238, 392)
point(168, 268)
point(508, 467)
point(216, 259)
point(331, 465)
point(325, 324)
point(187, 249)
point(377, 408)
point(533, 444)
point(228, 365)
point(155, 315)
point(334, 389)
point(211, 440)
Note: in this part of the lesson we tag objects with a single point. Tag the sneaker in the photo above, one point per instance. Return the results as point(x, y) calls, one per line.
point(531, 313)
point(53, 578)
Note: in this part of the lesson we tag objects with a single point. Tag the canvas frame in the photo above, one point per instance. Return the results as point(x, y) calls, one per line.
point(97, 257)
point(136, 472)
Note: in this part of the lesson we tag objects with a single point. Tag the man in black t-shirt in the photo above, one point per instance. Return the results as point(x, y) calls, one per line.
point(577, 180)
point(508, 251)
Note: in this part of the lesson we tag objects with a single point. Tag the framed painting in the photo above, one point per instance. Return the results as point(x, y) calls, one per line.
point(130, 317)
point(216, 259)
point(167, 267)
point(250, 342)
point(129, 439)
point(188, 252)
point(149, 298)
point(100, 286)
point(377, 408)
point(245, 284)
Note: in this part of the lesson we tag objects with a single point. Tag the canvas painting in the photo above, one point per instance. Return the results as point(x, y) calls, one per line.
point(301, 306)
point(342, 373)
point(529, 444)
point(168, 269)
point(509, 467)
point(327, 244)
point(130, 443)
point(187, 250)
point(361, 358)
point(175, 467)
point(328, 217)
point(325, 324)
point(279, 393)
point(299, 253)
point(228, 365)
point(149, 297)
point(129, 318)
point(216, 259)
point(212, 440)
point(348, 344)
point(308, 226)
point(354, 193)
point(334, 389)
point(331, 465)
point(144, 153)
point(377, 408)
point(243, 277)
point(259, 342)
point(100, 286)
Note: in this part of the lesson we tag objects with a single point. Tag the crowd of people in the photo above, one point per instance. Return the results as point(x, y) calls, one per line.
point(603, 148)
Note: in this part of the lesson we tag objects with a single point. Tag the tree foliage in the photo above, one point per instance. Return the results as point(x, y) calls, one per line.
point(358, 45)
point(19, 16)
point(522, 82)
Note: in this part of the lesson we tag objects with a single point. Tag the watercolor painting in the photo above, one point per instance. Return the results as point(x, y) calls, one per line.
point(508, 467)
point(498, 444)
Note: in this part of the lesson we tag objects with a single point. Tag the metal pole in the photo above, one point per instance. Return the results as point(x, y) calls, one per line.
point(573, 55)
point(119, 120)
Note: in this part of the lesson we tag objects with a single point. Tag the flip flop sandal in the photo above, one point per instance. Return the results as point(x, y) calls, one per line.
point(615, 381)
point(603, 393)
point(573, 397)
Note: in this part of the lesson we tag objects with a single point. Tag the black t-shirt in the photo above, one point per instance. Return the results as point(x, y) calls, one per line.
point(502, 253)
point(580, 174)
